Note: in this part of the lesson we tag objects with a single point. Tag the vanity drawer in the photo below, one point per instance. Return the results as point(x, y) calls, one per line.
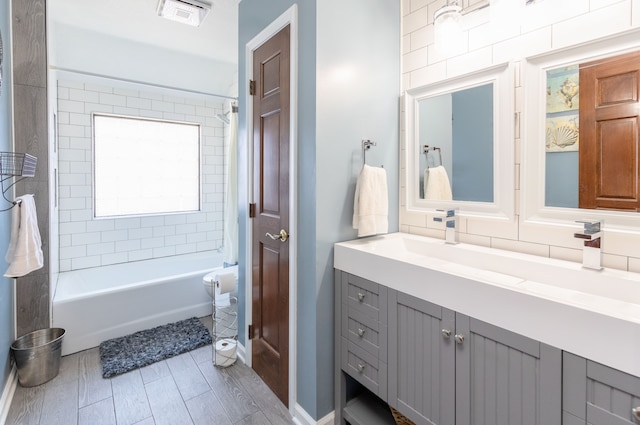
point(365, 368)
point(365, 333)
point(366, 297)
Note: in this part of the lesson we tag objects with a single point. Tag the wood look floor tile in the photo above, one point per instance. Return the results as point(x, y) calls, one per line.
point(100, 413)
point(186, 389)
point(130, 398)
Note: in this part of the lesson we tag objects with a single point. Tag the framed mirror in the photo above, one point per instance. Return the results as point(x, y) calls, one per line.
point(460, 145)
point(582, 121)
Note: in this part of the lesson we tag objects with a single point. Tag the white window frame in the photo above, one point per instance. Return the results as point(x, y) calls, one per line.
point(143, 119)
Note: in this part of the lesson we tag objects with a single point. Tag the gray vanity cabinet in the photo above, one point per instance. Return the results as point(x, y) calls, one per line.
point(503, 378)
point(434, 365)
point(595, 394)
point(446, 368)
point(421, 360)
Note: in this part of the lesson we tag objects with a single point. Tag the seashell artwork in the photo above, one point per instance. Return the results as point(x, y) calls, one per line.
point(563, 89)
point(562, 133)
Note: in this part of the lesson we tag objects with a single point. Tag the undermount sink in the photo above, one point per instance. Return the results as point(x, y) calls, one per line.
point(593, 313)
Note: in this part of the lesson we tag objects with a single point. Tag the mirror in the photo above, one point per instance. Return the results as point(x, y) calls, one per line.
point(456, 135)
point(459, 145)
point(572, 159)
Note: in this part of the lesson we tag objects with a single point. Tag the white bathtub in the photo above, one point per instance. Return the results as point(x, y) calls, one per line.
point(100, 303)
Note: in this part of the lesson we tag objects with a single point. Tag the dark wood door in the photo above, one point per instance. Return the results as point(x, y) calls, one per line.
point(609, 121)
point(270, 268)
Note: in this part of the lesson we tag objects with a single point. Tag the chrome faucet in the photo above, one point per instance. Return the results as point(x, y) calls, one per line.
point(591, 234)
point(449, 218)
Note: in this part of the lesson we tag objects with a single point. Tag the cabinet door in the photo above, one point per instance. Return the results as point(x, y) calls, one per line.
point(503, 378)
point(598, 395)
point(421, 360)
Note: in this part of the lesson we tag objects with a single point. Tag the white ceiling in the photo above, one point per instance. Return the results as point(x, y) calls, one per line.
point(136, 20)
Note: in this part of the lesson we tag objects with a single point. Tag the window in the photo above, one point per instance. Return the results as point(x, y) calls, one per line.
point(144, 166)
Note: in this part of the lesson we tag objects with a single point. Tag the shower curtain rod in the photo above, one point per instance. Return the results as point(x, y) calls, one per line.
point(126, 80)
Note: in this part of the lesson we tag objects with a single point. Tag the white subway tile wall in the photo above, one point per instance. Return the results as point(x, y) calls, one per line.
point(87, 242)
point(544, 26)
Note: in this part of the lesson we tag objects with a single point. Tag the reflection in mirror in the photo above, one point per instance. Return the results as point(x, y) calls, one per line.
point(591, 138)
point(556, 174)
point(456, 133)
point(459, 145)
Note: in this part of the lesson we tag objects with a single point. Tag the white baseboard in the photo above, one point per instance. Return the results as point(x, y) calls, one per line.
point(7, 394)
point(301, 417)
point(241, 352)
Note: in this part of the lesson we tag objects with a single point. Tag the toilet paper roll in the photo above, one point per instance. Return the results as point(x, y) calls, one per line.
point(225, 283)
point(225, 352)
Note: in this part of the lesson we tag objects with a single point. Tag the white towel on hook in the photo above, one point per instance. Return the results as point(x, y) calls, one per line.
point(371, 203)
point(25, 248)
point(437, 184)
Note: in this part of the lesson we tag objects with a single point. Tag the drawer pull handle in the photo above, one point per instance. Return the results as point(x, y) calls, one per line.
point(360, 332)
point(636, 413)
point(459, 339)
point(446, 333)
point(361, 296)
point(360, 368)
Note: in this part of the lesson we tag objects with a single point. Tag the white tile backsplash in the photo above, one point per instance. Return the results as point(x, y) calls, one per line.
point(544, 26)
point(88, 242)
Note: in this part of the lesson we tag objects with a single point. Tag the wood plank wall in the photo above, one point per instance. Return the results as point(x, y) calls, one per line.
point(30, 135)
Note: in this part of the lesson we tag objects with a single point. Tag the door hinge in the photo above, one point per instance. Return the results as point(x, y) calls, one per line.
point(252, 87)
point(252, 210)
point(250, 331)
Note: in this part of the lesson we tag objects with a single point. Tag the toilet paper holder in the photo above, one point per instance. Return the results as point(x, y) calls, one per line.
point(225, 322)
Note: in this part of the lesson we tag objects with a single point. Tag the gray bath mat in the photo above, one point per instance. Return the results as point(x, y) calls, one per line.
point(120, 355)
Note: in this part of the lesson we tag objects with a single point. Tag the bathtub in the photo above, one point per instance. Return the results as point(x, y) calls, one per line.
point(100, 303)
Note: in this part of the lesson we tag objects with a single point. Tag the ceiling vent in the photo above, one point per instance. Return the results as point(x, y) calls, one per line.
point(190, 12)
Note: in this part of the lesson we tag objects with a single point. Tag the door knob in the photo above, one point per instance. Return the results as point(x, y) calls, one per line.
point(459, 338)
point(636, 413)
point(282, 236)
point(446, 333)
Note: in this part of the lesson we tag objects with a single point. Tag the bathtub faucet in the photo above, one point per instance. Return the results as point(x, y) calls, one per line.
point(449, 218)
point(591, 234)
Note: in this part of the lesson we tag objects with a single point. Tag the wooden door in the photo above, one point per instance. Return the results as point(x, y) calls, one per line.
point(421, 360)
point(270, 268)
point(503, 378)
point(609, 121)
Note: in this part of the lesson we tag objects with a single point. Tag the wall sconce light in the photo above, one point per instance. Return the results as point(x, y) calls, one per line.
point(447, 28)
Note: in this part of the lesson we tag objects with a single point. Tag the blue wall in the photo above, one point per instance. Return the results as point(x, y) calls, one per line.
point(561, 179)
point(472, 169)
point(7, 317)
point(348, 89)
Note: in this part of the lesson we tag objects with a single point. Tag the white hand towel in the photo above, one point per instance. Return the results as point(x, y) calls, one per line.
point(371, 203)
point(437, 184)
point(25, 248)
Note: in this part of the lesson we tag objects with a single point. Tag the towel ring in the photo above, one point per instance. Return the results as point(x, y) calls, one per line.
point(425, 150)
point(366, 145)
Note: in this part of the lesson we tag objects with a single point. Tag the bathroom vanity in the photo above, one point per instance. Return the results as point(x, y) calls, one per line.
point(470, 335)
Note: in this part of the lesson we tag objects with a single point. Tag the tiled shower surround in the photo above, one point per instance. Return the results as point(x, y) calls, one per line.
point(87, 242)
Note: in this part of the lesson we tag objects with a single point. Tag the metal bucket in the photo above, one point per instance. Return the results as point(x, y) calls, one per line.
point(37, 356)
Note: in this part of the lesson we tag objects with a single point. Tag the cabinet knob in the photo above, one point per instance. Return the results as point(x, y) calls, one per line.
point(636, 413)
point(361, 296)
point(459, 338)
point(360, 332)
point(360, 367)
point(446, 333)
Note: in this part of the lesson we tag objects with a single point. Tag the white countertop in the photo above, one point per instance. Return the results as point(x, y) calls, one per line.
point(594, 314)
